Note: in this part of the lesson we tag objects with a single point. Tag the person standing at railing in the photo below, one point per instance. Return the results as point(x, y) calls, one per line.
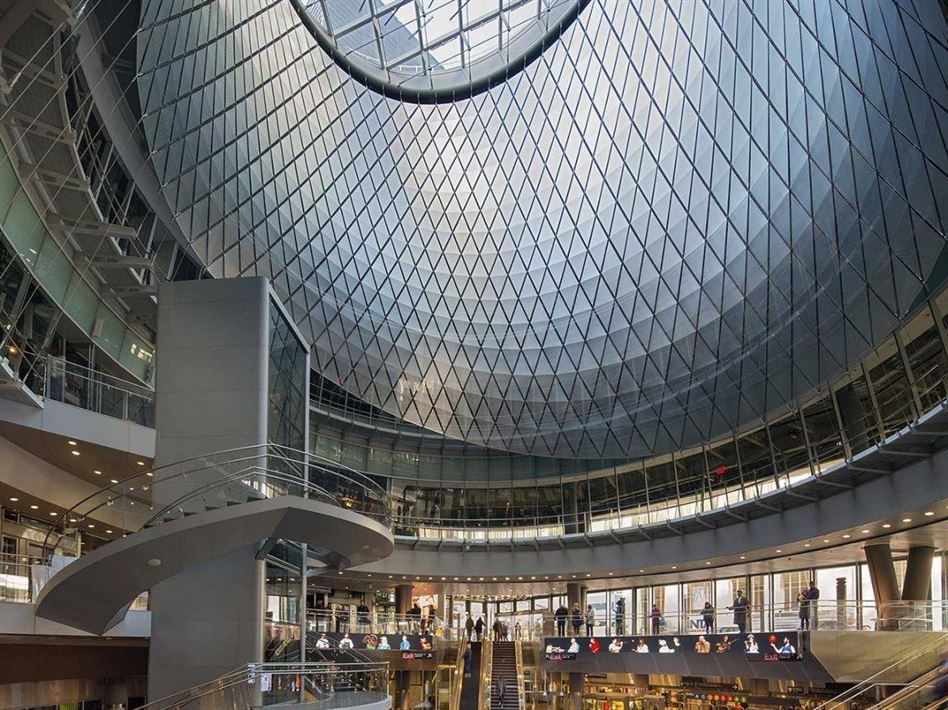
point(576, 618)
point(590, 620)
point(707, 615)
point(813, 598)
point(656, 620)
point(740, 611)
point(619, 609)
point(469, 627)
point(479, 628)
point(362, 614)
point(560, 615)
point(804, 611)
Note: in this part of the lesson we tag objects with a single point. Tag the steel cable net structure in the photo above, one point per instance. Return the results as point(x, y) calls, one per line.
point(679, 218)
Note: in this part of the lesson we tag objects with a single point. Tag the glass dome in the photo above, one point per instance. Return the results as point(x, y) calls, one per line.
point(433, 51)
point(679, 219)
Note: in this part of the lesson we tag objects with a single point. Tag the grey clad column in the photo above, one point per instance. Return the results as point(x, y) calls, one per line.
point(211, 395)
point(577, 686)
point(916, 589)
point(918, 573)
point(885, 586)
point(403, 599)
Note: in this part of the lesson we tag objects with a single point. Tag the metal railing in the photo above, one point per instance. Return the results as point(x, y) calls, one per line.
point(71, 383)
point(827, 615)
point(16, 583)
point(218, 480)
point(323, 684)
point(97, 391)
point(898, 673)
point(687, 490)
point(380, 623)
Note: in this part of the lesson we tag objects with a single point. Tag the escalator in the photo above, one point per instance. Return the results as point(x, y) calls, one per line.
point(471, 686)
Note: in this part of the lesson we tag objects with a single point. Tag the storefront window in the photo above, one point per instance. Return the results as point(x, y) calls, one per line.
point(695, 596)
point(667, 599)
point(837, 584)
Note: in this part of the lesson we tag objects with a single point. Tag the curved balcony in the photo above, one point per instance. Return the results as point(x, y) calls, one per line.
point(186, 513)
point(66, 205)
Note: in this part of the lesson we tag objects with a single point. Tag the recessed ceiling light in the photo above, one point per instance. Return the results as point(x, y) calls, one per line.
point(929, 513)
point(34, 507)
point(743, 557)
point(864, 532)
point(53, 513)
point(906, 520)
point(113, 480)
point(806, 544)
point(97, 472)
point(72, 443)
point(140, 463)
point(155, 562)
point(91, 525)
point(108, 531)
point(779, 550)
point(73, 520)
point(886, 525)
point(674, 566)
point(641, 570)
point(74, 452)
point(846, 536)
point(14, 500)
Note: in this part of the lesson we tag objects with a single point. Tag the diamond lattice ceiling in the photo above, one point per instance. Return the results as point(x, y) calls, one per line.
point(681, 217)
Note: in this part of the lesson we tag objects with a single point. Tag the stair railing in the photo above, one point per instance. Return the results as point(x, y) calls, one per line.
point(521, 692)
point(873, 682)
point(487, 656)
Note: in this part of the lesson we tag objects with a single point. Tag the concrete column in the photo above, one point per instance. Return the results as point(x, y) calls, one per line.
point(402, 684)
point(575, 592)
point(211, 395)
point(577, 685)
point(916, 589)
point(402, 598)
point(885, 586)
point(918, 573)
point(840, 602)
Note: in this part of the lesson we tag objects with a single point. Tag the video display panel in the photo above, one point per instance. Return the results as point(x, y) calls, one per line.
point(772, 647)
point(417, 645)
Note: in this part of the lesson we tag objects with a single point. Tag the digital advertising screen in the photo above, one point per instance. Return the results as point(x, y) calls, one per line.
point(764, 647)
point(415, 644)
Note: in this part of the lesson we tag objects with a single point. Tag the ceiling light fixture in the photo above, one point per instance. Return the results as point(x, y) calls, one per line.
point(14, 500)
point(72, 443)
point(34, 507)
point(886, 525)
point(929, 513)
point(906, 520)
point(74, 452)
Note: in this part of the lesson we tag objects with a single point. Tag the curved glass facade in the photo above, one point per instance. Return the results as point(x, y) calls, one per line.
point(446, 496)
point(681, 218)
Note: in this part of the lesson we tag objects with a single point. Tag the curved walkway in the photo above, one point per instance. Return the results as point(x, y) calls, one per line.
point(93, 592)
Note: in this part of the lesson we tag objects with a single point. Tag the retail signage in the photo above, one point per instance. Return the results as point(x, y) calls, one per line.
point(330, 640)
point(772, 647)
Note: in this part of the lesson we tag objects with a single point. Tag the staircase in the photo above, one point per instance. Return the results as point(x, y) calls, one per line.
point(503, 673)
